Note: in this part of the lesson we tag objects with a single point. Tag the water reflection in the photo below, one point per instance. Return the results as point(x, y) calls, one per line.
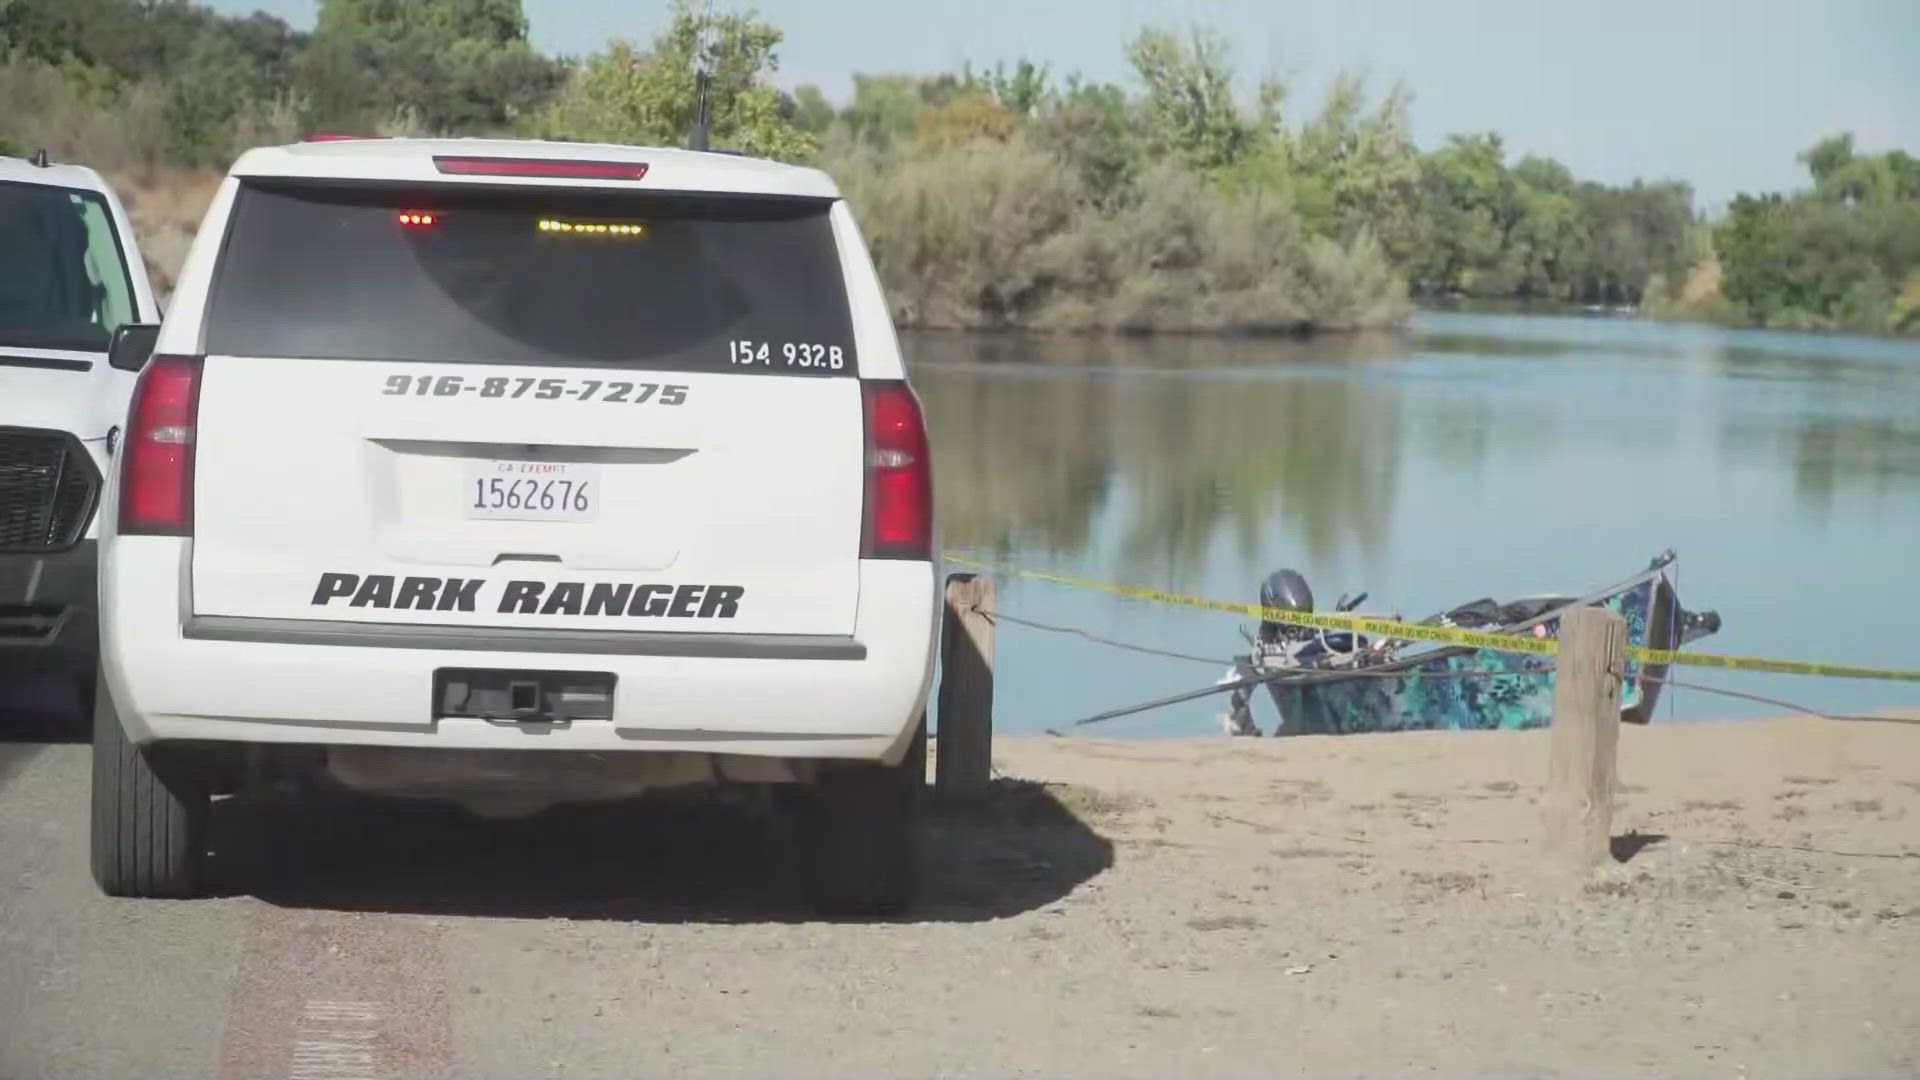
point(1872, 457)
point(1185, 441)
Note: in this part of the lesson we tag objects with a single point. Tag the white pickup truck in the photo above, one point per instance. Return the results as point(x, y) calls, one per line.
point(70, 278)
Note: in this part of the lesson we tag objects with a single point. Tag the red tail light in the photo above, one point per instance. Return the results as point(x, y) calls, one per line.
point(156, 467)
point(554, 167)
point(899, 509)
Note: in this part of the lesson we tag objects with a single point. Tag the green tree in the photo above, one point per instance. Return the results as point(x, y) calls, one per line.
point(1189, 108)
point(812, 112)
point(884, 108)
point(456, 65)
point(1470, 202)
point(1845, 254)
point(1023, 91)
point(629, 96)
point(1362, 167)
point(1549, 243)
point(1092, 127)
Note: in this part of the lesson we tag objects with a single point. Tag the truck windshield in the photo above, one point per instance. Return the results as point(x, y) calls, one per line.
point(548, 276)
point(63, 278)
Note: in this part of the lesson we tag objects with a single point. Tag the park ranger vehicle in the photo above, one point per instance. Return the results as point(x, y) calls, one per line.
point(70, 278)
point(516, 473)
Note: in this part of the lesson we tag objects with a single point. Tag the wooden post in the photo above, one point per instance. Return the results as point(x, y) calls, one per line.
point(963, 758)
point(1583, 746)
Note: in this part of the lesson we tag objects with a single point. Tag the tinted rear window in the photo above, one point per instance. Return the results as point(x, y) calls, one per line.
point(533, 276)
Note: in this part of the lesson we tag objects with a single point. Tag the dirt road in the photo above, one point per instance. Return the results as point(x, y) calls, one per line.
point(1318, 907)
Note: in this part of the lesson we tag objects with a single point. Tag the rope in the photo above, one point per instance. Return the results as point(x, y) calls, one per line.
point(1788, 705)
point(997, 616)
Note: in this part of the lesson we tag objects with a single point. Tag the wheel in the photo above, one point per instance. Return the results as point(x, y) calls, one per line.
point(866, 835)
point(149, 814)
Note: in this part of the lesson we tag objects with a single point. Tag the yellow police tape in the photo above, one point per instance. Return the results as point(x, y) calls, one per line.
point(1448, 635)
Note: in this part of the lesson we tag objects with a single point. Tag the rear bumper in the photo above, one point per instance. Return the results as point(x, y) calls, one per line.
point(49, 610)
point(175, 677)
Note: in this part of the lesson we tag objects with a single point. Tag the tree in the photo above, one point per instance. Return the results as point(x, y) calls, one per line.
point(1023, 92)
point(1845, 254)
point(1092, 127)
point(1362, 166)
point(460, 65)
point(812, 112)
point(884, 108)
point(1189, 108)
point(1550, 240)
point(626, 95)
point(1471, 203)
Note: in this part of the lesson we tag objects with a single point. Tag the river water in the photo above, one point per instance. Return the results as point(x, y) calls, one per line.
point(1468, 456)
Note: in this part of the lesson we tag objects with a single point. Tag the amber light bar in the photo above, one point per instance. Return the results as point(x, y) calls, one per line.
point(601, 228)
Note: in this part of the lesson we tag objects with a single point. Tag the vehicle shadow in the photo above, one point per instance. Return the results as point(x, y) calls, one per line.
point(687, 856)
point(43, 710)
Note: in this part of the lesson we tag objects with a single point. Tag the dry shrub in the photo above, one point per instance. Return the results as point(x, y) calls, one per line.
point(957, 233)
point(78, 115)
point(166, 206)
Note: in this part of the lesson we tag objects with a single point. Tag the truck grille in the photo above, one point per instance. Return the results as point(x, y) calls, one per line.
point(48, 490)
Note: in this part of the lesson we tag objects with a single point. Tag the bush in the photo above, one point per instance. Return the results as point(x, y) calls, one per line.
point(80, 114)
point(991, 234)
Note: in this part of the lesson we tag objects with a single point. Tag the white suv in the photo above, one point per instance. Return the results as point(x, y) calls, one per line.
point(517, 473)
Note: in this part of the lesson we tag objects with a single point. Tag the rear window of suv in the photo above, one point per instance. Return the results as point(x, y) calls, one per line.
point(532, 276)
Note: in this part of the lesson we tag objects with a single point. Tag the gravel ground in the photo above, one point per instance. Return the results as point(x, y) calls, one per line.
point(1367, 906)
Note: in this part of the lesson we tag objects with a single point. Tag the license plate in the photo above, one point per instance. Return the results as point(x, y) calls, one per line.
point(532, 490)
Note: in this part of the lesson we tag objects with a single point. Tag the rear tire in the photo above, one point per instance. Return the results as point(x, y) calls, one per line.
point(149, 814)
point(866, 835)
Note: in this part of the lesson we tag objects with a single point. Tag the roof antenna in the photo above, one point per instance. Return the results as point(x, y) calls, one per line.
point(39, 158)
point(697, 139)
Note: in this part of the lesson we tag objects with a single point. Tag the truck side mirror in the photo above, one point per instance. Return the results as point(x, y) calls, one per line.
point(131, 345)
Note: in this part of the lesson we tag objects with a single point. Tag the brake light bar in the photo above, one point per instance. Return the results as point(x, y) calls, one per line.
point(563, 168)
point(156, 478)
point(898, 521)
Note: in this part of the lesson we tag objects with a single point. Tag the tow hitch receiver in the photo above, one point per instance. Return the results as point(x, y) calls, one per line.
point(522, 697)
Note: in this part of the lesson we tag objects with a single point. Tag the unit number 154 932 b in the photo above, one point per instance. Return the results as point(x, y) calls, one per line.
point(789, 354)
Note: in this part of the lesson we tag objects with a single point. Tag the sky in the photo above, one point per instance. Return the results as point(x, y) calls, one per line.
point(1721, 93)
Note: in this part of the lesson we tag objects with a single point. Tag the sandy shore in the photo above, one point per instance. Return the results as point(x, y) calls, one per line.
point(1359, 907)
point(1381, 900)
